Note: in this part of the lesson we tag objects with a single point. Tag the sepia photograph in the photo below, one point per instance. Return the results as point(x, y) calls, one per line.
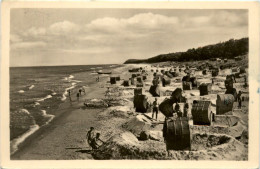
point(132, 83)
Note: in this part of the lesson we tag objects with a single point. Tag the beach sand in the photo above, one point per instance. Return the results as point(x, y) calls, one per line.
point(64, 138)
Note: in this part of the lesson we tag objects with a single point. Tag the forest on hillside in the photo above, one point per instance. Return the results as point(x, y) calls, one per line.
point(223, 50)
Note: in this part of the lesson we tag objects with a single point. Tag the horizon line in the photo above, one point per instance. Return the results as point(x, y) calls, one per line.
point(63, 65)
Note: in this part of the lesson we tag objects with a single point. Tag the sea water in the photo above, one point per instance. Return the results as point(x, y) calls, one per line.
point(35, 93)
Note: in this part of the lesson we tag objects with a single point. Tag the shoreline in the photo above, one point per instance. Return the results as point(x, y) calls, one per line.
point(18, 141)
point(61, 113)
point(51, 114)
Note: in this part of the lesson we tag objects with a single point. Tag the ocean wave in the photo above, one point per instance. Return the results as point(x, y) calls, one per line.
point(76, 81)
point(21, 91)
point(66, 91)
point(42, 99)
point(50, 116)
point(16, 142)
point(92, 68)
point(69, 78)
point(24, 111)
point(31, 87)
point(93, 73)
point(53, 93)
point(98, 67)
point(36, 103)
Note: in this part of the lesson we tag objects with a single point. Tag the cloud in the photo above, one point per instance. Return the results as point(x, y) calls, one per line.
point(137, 26)
point(63, 28)
point(137, 23)
point(228, 18)
point(35, 32)
point(139, 36)
point(150, 20)
point(26, 45)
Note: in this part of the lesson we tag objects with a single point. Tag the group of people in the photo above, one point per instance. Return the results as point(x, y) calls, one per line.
point(176, 110)
point(79, 93)
point(179, 113)
point(93, 140)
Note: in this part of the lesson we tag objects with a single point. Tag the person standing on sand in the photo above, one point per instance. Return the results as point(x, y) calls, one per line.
point(245, 80)
point(234, 78)
point(69, 93)
point(239, 99)
point(108, 93)
point(80, 90)
point(186, 109)
point(78, 97)
point(90, 135)
point(155, 108)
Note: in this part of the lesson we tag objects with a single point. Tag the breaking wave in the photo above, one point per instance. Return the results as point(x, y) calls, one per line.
point(42, 99)
point(31, 87)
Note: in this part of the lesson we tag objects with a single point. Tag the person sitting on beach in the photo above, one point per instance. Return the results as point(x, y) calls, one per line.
point(90, 135)
point(95, 141)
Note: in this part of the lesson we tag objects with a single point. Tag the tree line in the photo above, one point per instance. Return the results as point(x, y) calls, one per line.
point(223, 50)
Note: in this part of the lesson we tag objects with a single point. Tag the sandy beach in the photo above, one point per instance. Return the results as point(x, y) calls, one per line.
point(64, 138)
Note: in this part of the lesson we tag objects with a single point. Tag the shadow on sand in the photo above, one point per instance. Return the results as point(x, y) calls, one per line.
point(85, 151)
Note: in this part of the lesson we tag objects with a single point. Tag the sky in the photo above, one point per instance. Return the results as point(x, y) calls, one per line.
point(45, 37)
